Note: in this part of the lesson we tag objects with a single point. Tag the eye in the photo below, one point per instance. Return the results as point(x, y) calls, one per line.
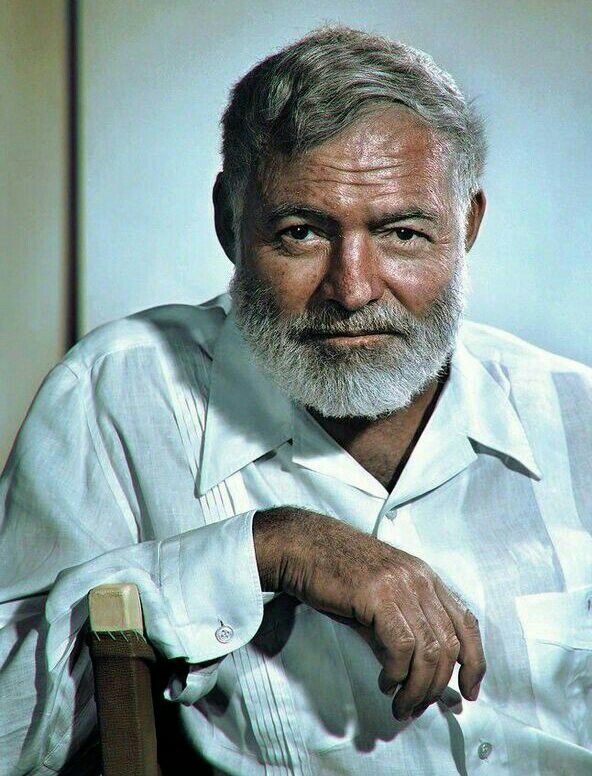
point(404, 233)
point(298, 232)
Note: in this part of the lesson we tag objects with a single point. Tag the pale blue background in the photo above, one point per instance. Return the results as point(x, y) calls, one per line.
point(155, 79)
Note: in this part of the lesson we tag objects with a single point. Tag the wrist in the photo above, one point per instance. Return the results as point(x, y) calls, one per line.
point(274, 540)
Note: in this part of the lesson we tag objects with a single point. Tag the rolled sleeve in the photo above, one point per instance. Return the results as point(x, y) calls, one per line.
point(210, 581)
point(200, 591)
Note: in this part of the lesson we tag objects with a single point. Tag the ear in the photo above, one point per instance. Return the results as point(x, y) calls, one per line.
point(223, 219)
point(474, 218)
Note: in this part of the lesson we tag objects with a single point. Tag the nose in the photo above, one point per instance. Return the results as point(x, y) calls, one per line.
point(352, 278)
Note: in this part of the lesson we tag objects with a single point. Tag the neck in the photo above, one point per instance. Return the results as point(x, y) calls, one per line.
point(383, 445)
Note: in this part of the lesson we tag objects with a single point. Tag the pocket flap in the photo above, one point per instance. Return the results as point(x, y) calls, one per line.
point(561, 618)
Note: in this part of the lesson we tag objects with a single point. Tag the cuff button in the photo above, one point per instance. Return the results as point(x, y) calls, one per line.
point(224, 633)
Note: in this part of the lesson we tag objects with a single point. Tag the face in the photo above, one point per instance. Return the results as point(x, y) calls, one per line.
point(351, 261)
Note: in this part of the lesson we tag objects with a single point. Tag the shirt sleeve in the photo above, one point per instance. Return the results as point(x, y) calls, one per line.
point(62, 533)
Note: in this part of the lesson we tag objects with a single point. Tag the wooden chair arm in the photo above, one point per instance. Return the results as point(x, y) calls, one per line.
point(122, 660)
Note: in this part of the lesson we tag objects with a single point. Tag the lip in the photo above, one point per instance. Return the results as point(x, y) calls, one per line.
point(357, 338)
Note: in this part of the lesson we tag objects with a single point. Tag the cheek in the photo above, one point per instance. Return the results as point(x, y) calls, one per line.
point(293, 281)
point(417, 285)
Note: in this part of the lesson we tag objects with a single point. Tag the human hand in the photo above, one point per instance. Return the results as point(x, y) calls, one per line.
point(414, 624)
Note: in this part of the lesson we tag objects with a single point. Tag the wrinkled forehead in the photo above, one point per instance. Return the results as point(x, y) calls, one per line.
point(389, 154)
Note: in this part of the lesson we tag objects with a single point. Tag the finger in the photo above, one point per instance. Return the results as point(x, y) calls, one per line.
point(444, 631)
point(471, 655)
point(393, 644)
point(395, 669)
point(424, 663)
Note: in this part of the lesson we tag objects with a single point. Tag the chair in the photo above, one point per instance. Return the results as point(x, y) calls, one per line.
point(139, 731)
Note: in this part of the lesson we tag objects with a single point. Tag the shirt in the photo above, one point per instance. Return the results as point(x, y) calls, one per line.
point(144, 457)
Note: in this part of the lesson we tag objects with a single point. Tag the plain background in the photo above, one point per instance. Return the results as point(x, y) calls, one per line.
point(154, 80)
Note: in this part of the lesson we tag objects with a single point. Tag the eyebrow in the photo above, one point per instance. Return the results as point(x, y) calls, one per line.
point(411, 214)
point(299, 210)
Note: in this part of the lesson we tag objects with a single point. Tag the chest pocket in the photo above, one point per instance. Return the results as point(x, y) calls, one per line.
point(557, 628)
point(295, 685)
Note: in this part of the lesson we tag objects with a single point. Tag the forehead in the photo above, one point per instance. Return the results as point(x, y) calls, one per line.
point(386, 158)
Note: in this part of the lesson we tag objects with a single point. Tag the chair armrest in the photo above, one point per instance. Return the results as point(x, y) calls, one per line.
point(115, 608)
point(122, 661)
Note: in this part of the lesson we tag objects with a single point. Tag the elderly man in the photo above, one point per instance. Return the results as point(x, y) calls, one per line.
point(320, 484)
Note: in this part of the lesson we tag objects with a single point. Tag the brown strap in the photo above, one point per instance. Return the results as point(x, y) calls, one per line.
point(123, 691)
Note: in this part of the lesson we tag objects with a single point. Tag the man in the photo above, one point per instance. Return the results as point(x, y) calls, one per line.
point(322, 487)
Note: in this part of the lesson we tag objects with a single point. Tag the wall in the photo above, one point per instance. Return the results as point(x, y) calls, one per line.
point(32, 202)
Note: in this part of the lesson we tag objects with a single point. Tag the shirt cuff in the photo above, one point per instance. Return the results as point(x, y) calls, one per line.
point(210, 581)
point(198, 682)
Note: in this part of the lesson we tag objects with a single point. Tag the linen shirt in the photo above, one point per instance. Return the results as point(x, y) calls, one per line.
point(143, 459)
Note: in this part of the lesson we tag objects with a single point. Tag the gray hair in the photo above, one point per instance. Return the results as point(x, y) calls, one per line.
point(315, 88)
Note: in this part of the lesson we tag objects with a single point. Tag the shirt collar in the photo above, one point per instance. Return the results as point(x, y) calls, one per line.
point(485, 413)
point(248, 416)
point(473, 408)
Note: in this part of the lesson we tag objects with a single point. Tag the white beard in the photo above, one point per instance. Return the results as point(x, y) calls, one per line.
point(366, 380)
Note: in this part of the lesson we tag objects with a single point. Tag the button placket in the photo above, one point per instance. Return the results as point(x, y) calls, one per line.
point(483, 734)
point(387, 525)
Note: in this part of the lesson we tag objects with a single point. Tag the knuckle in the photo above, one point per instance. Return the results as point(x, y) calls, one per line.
point(388, 621)
point(406, 643)
point(423, 581)
point(452, 647)
point(426, 636)
point(456, 597)
point(431, 652)
point(470, 621)
point(381, 586)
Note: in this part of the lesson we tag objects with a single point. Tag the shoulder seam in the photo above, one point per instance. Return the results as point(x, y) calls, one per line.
point(89, 366)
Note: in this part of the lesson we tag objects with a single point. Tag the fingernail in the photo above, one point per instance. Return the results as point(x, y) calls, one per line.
point(474, 694)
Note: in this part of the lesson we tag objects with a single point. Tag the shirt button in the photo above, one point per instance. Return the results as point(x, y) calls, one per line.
point(484, 750)
point(224, 633)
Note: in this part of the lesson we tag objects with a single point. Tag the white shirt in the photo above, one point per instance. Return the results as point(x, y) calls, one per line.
point(144, 457)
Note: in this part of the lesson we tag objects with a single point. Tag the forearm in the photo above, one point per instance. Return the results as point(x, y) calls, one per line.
point(271, 544)
point(283, 538)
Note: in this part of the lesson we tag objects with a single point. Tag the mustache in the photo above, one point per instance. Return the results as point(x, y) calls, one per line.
point(333, 320)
